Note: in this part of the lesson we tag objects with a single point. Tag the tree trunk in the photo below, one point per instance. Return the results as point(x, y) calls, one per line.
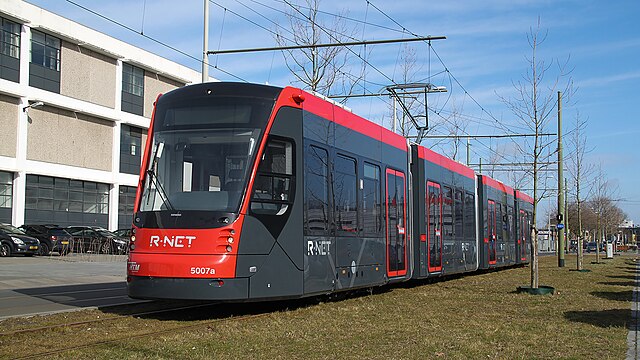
point(534, 258)
point(580, 234)
point(595, 237)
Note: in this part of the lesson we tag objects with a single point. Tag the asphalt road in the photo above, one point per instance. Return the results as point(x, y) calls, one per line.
point(44, 285)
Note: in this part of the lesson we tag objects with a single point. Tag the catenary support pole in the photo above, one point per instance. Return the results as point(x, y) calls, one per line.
point(205, 43)
point(561, 239)
point(468, 152)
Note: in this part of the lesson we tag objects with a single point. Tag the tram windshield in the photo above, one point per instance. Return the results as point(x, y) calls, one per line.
point(202, 151)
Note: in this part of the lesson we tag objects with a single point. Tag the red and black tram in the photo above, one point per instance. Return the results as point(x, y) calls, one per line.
point(253, 192)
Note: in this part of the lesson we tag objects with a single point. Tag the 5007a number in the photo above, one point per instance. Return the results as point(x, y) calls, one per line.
point(202, 271)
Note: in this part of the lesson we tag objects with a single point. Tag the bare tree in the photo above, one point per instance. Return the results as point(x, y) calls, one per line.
point(533, 105)
point(318, 69)
point(455, 125)
point(608, 215)
point(580, 173)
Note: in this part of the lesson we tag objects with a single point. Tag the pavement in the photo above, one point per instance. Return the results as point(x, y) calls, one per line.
point(45, 285)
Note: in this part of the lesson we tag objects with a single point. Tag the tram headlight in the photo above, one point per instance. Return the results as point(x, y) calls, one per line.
point(230, 240)
point(229, 248)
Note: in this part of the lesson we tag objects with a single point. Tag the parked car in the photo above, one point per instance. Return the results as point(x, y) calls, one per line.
point(15, 241)
point(124, 233)
point(591, 246)
point(52, 238)
point(97, 239)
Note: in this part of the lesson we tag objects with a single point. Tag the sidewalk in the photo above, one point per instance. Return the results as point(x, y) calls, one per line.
point(51, 284)
point(38, 271)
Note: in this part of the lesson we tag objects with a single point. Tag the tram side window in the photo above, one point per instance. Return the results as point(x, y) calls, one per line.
point(469, 215)
point(273, 187)
point(509, 225)
point(458, 214)
point(499, 222)
point(316, 195)
point(447, 212)
point(371, 204)
point(345, 187)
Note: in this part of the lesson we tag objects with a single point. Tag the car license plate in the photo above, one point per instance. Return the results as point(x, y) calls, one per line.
point(65, 243)
point(33, 247)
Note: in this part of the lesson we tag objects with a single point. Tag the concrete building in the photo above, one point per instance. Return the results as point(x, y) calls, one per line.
point(75, 105)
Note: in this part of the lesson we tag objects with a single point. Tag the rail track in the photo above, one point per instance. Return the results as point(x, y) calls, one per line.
point(221, 311)
point(138, 336)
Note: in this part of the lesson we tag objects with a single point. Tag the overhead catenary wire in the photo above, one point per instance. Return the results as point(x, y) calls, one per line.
point(173, 48)
point(502, 126)
point(448, 71)
point(495, 123)
point(264, 28)
point(358, 55)
point(350, 76)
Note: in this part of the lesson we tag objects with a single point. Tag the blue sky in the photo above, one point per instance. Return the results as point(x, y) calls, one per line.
point(486, 52)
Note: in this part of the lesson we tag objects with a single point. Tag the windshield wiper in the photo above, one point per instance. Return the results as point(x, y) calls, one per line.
point(153, 179)
point(161, 192)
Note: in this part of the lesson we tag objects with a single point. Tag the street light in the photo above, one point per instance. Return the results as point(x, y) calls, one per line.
point(32, 105)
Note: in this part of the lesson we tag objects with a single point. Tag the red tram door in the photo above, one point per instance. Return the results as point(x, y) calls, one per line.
point(396, 220)
point(434, 227)
point(491, 231)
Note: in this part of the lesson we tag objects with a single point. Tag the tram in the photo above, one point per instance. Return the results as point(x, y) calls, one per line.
point(251, 192)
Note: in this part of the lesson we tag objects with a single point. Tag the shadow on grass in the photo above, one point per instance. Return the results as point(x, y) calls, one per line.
point(614, 295)
point(619, 283)
point(209, 310)
point(605, 319)
point(626, 277)
point(202, 310)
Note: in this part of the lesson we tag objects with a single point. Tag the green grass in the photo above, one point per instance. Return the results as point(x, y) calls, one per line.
point(471, 317)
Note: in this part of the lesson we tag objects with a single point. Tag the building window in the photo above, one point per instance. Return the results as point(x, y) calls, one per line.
point(9, 50)
point(6, 196)
point(130, 149)
point(132, 89)
point(66, 202)
point(126, 201)
point(44, 69)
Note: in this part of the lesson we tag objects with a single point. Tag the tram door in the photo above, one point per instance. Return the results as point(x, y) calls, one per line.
point(396, 218)
point(491, 231)
point(434, 227)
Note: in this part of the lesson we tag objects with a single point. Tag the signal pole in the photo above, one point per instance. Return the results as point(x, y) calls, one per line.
point(560, 226)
